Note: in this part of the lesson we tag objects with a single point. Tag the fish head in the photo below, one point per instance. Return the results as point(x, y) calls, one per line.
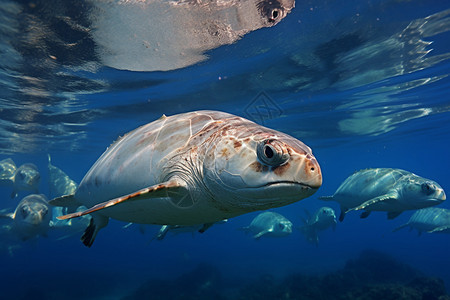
point(33, 210)
point(27, 177)
point(273, 11)
point(283, 227)
point(260, 171)
point(326, 214)
point(420, 192)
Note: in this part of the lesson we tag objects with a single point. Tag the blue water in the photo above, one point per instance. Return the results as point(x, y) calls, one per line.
point(364, 84)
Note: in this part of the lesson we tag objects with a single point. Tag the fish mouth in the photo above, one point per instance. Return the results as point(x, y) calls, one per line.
point(286, 182)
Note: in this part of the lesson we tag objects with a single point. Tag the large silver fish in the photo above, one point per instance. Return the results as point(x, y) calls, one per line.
point(431, 220)
point(194, 168)
point(385, 189)
point(165, 35)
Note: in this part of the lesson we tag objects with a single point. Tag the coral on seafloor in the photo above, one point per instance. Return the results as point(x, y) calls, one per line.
point(373, 275)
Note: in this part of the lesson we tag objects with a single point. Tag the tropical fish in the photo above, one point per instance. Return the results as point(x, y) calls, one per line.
point(322, 219)
point(431, 220)
point(194, 168)
point(384, 189)
point(270, 224)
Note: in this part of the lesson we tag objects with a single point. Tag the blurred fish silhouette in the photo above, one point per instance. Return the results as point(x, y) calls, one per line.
point(165, 35)
point(176, 229)
point(431, 220)
point(26, 178)
point(67, 228)
point(7, 170)
point(59, 182)
point(322, 219)
point(269, 224)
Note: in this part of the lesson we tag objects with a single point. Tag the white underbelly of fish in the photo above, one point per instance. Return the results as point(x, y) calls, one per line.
point(162, 211)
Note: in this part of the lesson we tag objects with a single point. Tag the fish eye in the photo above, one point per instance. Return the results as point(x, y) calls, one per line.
point(272, 153)
point(427, 188)
point(270, 9)
point(268, 151)
point(275, 14)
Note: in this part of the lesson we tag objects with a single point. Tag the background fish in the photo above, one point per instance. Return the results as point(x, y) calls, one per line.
point(322, 219)
point(385, 189)
point(270, 224)
point(62, 229)
point(26, 178)
point(31, 217)
point(59, 182)
point(431, 220)
point(7, 170)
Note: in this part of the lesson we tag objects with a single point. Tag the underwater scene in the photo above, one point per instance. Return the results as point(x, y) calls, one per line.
point(224, 149)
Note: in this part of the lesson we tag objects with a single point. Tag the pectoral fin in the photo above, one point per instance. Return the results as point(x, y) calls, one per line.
point(260, 234)
point(439, 229)
point(65, 201)
point(342, 213)
point(366, 205)
point(155, 191)
point(7, 216)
